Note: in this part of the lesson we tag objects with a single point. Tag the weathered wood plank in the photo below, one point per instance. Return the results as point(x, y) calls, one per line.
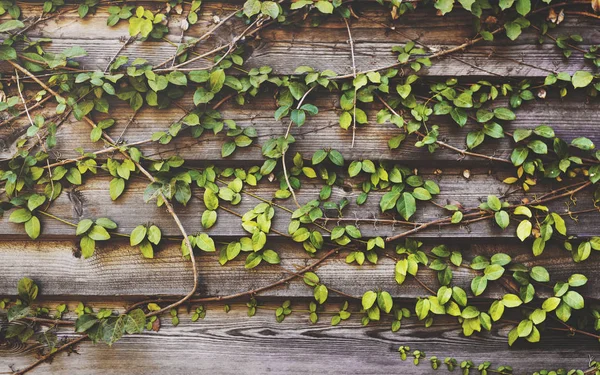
point(320, 131)
point(285, 48)
point(92, 200)
point(118, 270)
point(232, 343)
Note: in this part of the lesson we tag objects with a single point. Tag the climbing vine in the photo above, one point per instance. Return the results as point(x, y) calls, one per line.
point(46, 88)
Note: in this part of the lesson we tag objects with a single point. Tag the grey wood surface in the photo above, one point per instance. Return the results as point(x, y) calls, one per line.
point(231, 343)
point(92, 200)
point(118, 270)
point(320, 131)
point(285, 48)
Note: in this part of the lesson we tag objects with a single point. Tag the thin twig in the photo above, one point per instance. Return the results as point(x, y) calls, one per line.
point(445, 145)
point(167, 203)
point(287, 134)
point(36, 133)
point(131, 38)
point(351, 42)
point(50, 355)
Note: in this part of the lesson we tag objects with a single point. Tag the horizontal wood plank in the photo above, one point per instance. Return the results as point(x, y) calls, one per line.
point(232, 343)
point(320, 131)
point(117, 270)
point(326, 47)
point(92, 200)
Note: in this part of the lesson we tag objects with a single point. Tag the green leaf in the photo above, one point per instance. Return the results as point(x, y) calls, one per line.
point(368, 299)
point(83, 226)
point(336, 158)
point(210, 199)
point(577, 279)
point(106, 223)
point(251, 7)
point(216, 80)
point(444, 6)
point(511, 300)
point(583, 143)
point(513, 30)
point(464, 100)
point(7, 53)
point(138, 235)
point(135, 321)
point(270, 8)
point(494, 203)
point(406, 205)
point(116, 188)
point(10, 25)
point(523, 7)
point(19, 216)
point(209, 218)
point(154, 234)
point(459, 295)
point(474, 139)
point(205, 243)
point(582, 79)
point(525, 326)
point(519, 155)
point(321, 293)
point(496, 310)
point(177, 78)
point(385, 301)
point(524, 230)
point(85, 322)
point(493, 272)
point(478, 285)
point(504, 114)
point(27, 289)
point(324, 6)
point(35, 201)
point(551, 304)
point(421, 194)
point(574, 300)
point(354, 168)
point(228, 149)
point(98, 233)
point(388, 200)
point(502, 219)
point(298, 117)
point(540, 274)
point(147, 250)
point(403, 90)
point(272, 257)
point(88, 246)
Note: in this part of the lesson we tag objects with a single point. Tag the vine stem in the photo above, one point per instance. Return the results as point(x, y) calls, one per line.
point(351, 42)
point(446, 221)
point(287, 134)
point(446, 145)
point(253, 291)
point(143, 170)
point(50, 355)
point(433, 56)
point(201, 38)
point(585, 14)
point(36, 133)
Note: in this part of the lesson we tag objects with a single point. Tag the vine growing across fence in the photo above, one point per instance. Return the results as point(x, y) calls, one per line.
point(545, 172)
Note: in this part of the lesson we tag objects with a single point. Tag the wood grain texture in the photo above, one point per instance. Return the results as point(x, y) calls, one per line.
point(232, 343)
point(320, 131)
point(119, 271)
point(92, 200)
point(285, 48)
